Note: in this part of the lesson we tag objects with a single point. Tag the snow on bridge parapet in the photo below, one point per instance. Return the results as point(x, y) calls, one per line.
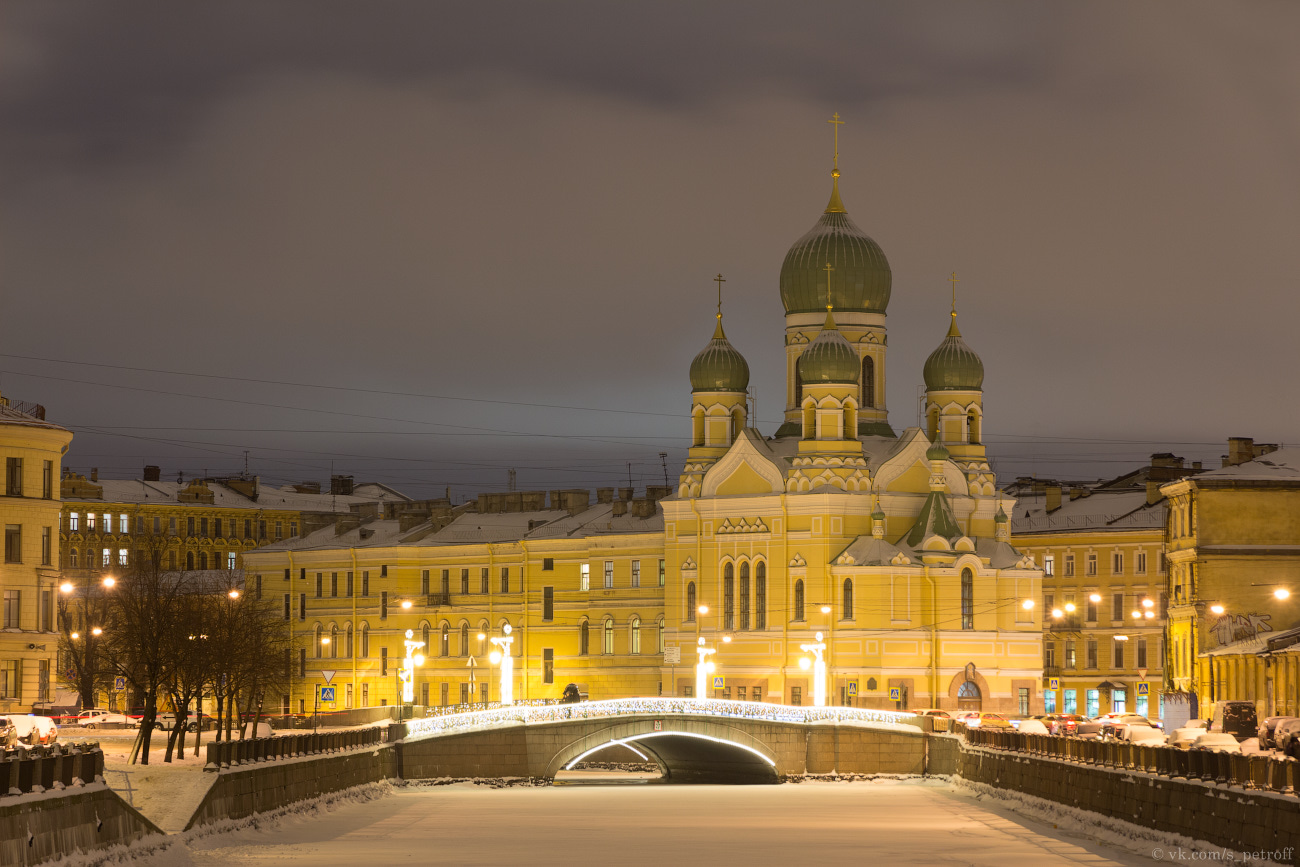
point(461, 723)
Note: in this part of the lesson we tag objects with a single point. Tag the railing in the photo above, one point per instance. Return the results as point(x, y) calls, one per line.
point(434, 600)
point(226, 754)
point(58, 766)
point(1232, 769)
point(532, 715)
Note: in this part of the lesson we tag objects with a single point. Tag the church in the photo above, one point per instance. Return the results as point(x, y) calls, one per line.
point(834, 560)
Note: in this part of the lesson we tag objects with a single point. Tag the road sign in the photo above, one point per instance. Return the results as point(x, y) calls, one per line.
point(659, 725)
point(895, 693)
point(672, 656)
point(327, 693)
point(1053, 683)
point(328, 674)
point(1144, 689)
point(717, 682)
point(853, 687)
point(119, 683)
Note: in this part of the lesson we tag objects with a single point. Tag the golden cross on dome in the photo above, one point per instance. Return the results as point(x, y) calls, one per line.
point(836, 123)
point(953, 281)
point(719, 280)
point(828, 270)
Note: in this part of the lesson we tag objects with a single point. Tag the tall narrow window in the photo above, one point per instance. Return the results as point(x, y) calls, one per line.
point(848, 599)
point(383, 605)
point(464, 581)
point(760, 595)
point(609, 574)
point(609, 635)
point(584, 576)
point(660, 644)
point(317, 641)
point(661, 572)
point(548, 665)
point(47, 480)
point(464, 639)
point(868, 382)
point(365, 640)
point(444, 641)
point(548, 603)
point(14, 477)
point(798, 599)
point(636, 573)
point(584, 638)
point(634, 632)
point(483, 581)
point(334, 642)
point(424, 582)
point(728, 597)
point(967, 599)
point(505, 579)
point(690, 602)
point(744, 596)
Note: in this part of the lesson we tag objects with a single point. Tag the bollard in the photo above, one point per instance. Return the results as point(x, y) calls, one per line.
point(214, 757)
point(67, 770)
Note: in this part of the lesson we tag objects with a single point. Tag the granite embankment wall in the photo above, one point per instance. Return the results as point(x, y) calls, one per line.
point(242, 791)
point(40, 827)
point(1230, 816)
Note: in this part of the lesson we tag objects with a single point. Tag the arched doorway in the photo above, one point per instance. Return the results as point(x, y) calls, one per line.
point(968, 696)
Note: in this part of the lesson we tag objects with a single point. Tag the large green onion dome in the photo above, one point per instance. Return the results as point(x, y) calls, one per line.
point(829, 358)
point(860, 275)
point(719, 367)
point(954, 366)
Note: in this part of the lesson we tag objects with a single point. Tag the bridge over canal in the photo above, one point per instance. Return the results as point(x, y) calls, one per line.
point(690, 740)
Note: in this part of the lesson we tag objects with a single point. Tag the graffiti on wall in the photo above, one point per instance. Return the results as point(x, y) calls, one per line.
point(1240, 627)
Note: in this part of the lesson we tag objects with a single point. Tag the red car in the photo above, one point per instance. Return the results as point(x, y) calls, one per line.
point(1063, 723)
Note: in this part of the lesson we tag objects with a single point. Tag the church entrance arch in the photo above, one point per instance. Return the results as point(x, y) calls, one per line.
point(968, 696)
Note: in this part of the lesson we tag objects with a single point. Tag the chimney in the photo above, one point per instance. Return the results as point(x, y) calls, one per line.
point(1053, 495)
point(1196, 465)
point(1240, 450)
point(625, 493)
point(658, 492)
point(620, 508)
point(152, 473)
point(94, 474)
point(1153, 492)
point(604, 495)
point(341, 486)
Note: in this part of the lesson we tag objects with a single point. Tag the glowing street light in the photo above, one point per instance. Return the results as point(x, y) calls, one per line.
point(826, 609)
point(1216, 608)
point(233, 594)
point(704, 609)
point(1069, 607)
point(406, 604)
point(1057, 614)
point(1028, 605)
point(96, 631)
point(817, 649)
point(703, 668)
point(1282, 593)
point(109, 580)
point(406, 674)
point(501, 656)
point(1096, 597)
point(66, 587)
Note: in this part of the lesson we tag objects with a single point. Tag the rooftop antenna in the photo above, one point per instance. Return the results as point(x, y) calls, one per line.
point(245, 463)
point(511, 485)
point(663, 459)
point(629, 475)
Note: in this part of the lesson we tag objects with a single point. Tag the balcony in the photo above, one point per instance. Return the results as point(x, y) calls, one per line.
point(437, 600)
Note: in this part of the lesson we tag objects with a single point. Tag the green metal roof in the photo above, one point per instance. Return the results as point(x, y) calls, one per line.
point(829, 358)
point(953, 366)
point(719, 367)
point(936, 519)
point(860, 275)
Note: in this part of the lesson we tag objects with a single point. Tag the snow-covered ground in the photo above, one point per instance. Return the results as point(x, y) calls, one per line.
point(887, 822)
point(166, 793)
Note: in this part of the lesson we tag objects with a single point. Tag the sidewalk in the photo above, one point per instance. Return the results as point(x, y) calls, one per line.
point(167, 794)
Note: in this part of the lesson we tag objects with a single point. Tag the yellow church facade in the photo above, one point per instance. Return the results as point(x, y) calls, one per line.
point(885, 556)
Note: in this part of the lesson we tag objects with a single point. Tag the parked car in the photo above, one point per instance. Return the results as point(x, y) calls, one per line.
point(1063, 723)
point(1219, 742)
point(1183, 738)
point(92, 719)
point(166, 721)
point(933, 711)
point(1286, 736)
point(1267, 731)
point(1236, 718)
point(1032, 727)
point(1147, 735)
point(1112, 727)
point(35, 730)
point(1091, 728)
point(8, 733)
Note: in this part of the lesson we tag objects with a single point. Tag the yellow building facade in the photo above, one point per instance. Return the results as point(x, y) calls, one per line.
point(884, 555)
point(1234, 560)
point(32, 450)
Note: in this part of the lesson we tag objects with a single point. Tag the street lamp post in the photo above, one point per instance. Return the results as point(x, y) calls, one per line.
point(818, 665)
point(86, 668)
point(406, 674)
point(703, 668)
point(501, 656)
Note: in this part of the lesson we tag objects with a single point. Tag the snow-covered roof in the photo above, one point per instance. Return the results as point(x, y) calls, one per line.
point(140, 492)
point(1119, 510)
point(1282, 465)
point(12, 416)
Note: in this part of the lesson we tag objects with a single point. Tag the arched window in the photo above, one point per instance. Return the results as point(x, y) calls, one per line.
point(609, 635)
point(72, 558)
point(203, 559)
point(634, 631)
point(317, 636)
point(868, 381)
point(365, 640)
point(798, 384)
point(744, 595)
point(798, 599)
point(189, 561)
point(760, 595)
point(348, 648)
point(482, 637)
point(660, 644)
point(334, 642)
point(584, 638)
point(424, 636)
point(697, 427)
point(967, 599)
point(464, 639)
point(690, 602)
point(973, 427)
point(848, 599)
point(729, 597)
point(444, 641)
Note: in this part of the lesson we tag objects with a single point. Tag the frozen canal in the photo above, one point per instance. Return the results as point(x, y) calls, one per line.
point(838, 823)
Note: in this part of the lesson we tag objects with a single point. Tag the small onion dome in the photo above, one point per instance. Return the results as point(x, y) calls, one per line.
point(878, 514)
point(860, 276)
point(829, 358)
point(719, 367)
point(954, 366)
point(936, 452)
point(1001, 516)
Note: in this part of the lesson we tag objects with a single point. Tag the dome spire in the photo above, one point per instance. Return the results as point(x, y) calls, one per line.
point(830, 319)
point(835, 206)
point(952, 329)
point(718, 332)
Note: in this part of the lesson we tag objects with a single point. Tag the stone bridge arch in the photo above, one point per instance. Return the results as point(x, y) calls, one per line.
point(688, 749)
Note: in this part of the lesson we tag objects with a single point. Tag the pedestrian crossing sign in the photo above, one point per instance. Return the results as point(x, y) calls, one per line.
point(119, 683)
point(1144, 689)
point(1053, 683)
point(895, 693)
point(327, 693)
point(717, 682)
point(853, 687)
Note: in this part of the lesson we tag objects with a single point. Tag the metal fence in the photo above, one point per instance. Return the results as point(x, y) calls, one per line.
point(1262, 772)
point(752, 710)
point(58, 766)
point(225, 754)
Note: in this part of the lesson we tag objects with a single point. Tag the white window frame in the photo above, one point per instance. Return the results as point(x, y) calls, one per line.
point(584, 576)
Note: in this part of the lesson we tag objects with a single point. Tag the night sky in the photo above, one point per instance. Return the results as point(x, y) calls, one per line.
point(422, 243)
